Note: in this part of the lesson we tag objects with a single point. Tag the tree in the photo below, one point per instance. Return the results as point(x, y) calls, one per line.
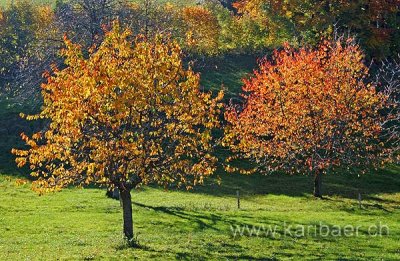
point(263, 21)
point(228, 4)
point(129, 114)
point(388, 82)
point(308, 111)
point(202, 30)
point(84, 19)
point(375, 22)
point(16, 34)
point(151, 17)
point(29, 43)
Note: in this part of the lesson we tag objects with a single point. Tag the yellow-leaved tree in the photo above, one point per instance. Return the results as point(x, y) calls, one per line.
point(129, 114)
point(202, 30)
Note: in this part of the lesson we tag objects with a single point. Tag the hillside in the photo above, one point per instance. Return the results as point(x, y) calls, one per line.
point(196, 225)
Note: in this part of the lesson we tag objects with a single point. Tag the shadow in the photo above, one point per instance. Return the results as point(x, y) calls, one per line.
point(381, 200)
point(194, 217)
point(213, 248)
point(316, 231)
point(125, 245)
point(227, 71)
point(200, 221)
point(203, 221)
point(339, 184)
point(11, 126)
point(247, 257)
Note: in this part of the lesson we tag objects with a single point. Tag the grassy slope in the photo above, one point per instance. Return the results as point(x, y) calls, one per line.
point(228, 73)
point(83, 224)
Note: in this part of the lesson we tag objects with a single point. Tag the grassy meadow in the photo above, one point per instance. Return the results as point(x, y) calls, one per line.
point(82, 224)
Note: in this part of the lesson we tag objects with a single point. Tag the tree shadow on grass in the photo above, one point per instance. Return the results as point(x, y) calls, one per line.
point(341, 184)
point(239, 256)
point(237, 250)
point(216, 222)
point(195, 217)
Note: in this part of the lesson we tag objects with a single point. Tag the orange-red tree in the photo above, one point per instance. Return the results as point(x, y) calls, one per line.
point(308, 111)
point(127, 115)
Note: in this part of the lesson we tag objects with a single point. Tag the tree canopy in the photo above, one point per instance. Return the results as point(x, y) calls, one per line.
point(309, 110)
point(129, 114)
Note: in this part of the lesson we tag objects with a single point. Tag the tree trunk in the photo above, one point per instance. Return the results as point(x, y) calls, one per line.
point(114, 194)
point(126, 200)
point(318, 184)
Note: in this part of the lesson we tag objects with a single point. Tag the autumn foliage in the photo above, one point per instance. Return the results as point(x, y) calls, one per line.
point(129, 114)
point(304, 21)
point(308, 111)
point(202, 30)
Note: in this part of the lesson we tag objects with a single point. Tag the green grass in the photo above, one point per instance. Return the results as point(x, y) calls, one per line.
point(78, 224)
point(227, 73)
